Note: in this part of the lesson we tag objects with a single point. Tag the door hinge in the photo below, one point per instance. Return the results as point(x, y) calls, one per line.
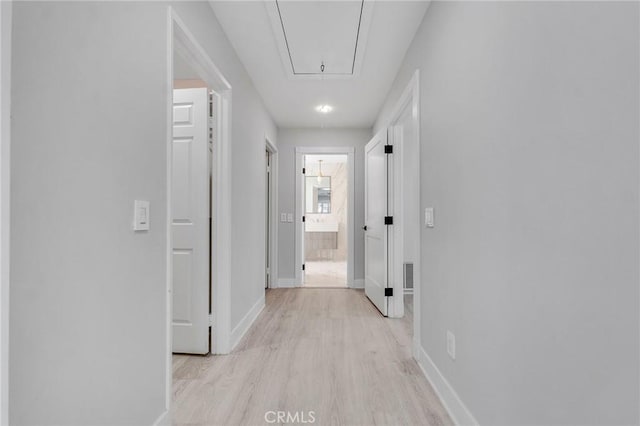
point(303, 266)
point(304, 219)
point(388, 292)
point(210, 320)
point(304, 170)
point(388, 220)
point(388, 149)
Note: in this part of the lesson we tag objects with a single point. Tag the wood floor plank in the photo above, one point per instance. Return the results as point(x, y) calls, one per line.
point(323, 350)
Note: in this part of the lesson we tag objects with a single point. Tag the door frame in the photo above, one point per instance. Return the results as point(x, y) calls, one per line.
point(5, 199)
point(180, 39)
point(273, 213)
point(409, 97)
point(300, 207)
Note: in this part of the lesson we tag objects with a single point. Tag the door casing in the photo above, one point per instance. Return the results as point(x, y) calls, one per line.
point(5, 176)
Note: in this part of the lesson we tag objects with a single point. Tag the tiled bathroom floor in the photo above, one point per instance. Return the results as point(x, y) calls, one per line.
point(325, 274)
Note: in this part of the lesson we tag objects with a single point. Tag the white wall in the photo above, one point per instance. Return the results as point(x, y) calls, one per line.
point(288, 140)
point(182, 70)
point(5, 152)
point(530, 157)
point(88, 295)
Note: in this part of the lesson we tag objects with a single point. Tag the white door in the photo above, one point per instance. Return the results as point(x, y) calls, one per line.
point(190, 221)
point(376, 232)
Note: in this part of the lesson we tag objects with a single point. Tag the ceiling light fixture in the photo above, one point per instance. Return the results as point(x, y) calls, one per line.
point(324, 109)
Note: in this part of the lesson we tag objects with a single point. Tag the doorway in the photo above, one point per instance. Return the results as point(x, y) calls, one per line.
point(325, 212)
point(325, 224)
point(188, 61)
point(183, 46)
point(271, 214)
point(393, 214)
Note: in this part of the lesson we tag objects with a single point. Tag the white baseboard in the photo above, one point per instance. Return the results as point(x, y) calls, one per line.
point(243, 326)
point(164, 419)
point(286, 283)
point(358, 283)
point(458, 412)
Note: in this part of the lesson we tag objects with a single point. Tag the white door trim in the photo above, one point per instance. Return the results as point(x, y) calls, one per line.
point(299, 209)
point(5, 198)
point(180, 39)
point(410, 96)
point(273, 213)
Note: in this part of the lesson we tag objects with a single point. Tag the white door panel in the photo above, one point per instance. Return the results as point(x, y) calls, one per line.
point(190, 221)
point(376, 234)
point(182, 270)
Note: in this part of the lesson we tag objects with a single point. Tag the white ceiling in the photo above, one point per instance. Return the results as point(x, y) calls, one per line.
point(365, 42)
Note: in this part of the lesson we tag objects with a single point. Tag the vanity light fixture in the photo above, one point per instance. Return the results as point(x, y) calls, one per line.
point(320, 172)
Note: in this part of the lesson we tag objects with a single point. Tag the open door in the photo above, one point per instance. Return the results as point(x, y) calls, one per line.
point(267, 218)
point(190, 221)
point(376, 237)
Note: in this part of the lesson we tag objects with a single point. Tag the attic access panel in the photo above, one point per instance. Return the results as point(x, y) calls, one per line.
point(309, 33)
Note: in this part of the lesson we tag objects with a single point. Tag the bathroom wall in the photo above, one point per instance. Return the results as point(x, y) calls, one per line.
point(317, 244)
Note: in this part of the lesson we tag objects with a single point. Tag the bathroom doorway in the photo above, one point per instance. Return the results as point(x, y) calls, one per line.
point(333, 198)
point(326, 242)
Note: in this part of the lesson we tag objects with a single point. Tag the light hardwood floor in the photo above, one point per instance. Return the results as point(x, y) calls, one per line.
point(325, 274)
point(323, 350)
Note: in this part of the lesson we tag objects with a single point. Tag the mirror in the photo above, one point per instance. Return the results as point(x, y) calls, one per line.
point(318, 194)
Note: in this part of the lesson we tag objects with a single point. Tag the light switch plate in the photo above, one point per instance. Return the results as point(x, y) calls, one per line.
point(290, 217)
point(140, 215)
point(451, 345)
point(428, 217)
point(283, 217)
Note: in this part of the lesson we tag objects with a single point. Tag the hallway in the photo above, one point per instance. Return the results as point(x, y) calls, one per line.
point(492, 167)
point(323, 350)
